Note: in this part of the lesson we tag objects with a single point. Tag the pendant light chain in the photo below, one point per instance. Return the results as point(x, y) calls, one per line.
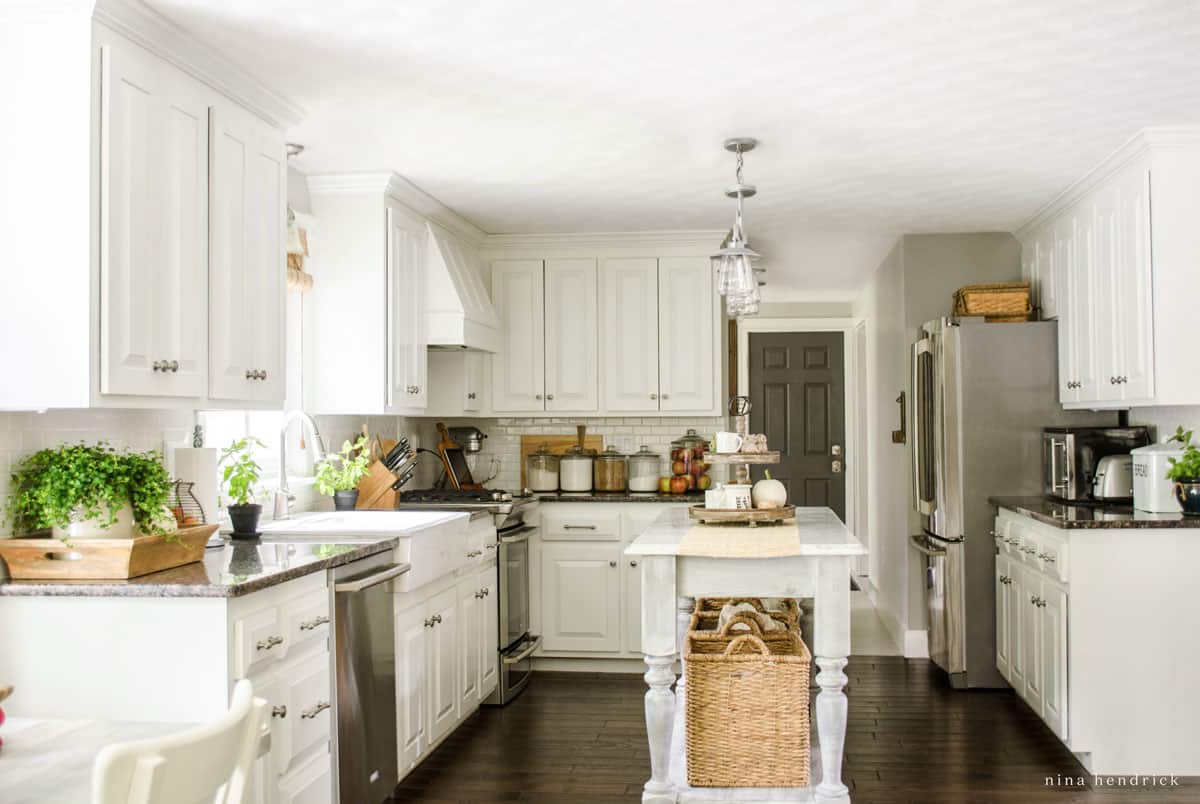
point(737, 278)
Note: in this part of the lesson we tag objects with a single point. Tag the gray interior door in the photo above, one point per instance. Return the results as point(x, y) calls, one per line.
point(797, 388)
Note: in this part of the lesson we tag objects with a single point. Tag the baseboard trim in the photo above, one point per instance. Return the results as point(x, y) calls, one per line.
point(916, 645)
point(565, 665)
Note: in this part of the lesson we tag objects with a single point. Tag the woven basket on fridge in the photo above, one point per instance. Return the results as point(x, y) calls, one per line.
point(1001, 301)
point(747, 712)
point(784, 609)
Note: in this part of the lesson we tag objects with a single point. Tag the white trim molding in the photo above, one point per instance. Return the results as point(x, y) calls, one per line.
point(665, 243)
point(139, 22)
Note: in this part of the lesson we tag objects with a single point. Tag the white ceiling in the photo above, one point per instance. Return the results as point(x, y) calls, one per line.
point(875, 119)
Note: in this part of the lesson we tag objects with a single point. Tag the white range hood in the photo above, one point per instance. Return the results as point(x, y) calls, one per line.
point(459, 312)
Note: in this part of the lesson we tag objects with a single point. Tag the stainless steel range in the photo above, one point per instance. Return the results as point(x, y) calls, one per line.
point(517, 645)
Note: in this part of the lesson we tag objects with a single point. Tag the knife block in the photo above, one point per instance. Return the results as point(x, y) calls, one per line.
point(375, 490)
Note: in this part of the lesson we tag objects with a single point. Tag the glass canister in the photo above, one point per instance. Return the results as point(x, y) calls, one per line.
point(541, 470)
point(689, 471)
point(611, 471)
point(575, 469)
point(644, 469)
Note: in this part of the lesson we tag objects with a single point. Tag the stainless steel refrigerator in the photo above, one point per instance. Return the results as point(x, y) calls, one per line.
point(981, 394)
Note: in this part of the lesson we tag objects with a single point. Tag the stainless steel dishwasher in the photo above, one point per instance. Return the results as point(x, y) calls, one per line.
point(364, 661)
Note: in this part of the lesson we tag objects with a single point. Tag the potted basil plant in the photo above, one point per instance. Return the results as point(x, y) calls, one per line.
point(91, 491)
point(338, 475)
point(1185, 471)
point(240, 476)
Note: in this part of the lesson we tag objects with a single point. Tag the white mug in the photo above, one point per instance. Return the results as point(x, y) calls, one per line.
point(729, 442)
point(737, 496)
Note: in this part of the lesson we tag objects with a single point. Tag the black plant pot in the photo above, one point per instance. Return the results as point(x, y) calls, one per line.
point(345, 500)
point(245, 520)
point(1187, 492)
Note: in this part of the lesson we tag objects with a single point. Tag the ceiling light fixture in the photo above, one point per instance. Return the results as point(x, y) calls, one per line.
point(737, 278)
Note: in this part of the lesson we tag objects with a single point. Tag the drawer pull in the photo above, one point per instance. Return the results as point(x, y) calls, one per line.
point(579, 527)
point(1047, 557)
point(309, 714)
point(437, 619)
point(269, 642)
point(314, 623)
point(279, 711)
point(475, 554)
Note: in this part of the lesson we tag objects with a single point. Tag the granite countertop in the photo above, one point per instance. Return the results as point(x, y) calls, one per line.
point(1079, 517)
point(230, 570)
point(618, 497)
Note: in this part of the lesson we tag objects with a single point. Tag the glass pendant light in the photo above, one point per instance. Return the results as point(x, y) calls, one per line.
point(737, 277)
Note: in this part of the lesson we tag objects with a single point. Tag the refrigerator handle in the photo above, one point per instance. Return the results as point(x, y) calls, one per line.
point(919, 436)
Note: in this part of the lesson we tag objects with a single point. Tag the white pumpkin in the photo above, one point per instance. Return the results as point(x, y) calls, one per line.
point(769, 493)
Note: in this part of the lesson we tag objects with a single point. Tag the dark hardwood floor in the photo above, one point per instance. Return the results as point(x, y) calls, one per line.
point(581, 738)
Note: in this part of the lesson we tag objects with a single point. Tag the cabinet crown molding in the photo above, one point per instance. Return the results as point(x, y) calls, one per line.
point(393, 184)
point(1137, 145)
point(700, 240)
point(168, 41)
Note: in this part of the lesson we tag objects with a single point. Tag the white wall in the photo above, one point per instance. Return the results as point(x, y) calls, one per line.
point(913, 284)
point(1164, 420)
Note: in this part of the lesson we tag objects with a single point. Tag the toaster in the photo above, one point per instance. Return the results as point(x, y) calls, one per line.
point(1113, 481)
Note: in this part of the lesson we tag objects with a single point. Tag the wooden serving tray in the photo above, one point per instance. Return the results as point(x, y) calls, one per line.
point(102, 559)
point(751, 517)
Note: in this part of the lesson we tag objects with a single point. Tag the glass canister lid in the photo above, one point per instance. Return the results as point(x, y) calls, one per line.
point(611, 454)
point(578, 453)
point(645, 454)
point(544, 455)
point(690, 440)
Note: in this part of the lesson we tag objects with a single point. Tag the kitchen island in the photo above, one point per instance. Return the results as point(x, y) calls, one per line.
point(682, 560)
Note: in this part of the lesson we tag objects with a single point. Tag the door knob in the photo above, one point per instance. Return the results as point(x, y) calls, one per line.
point(836, 467)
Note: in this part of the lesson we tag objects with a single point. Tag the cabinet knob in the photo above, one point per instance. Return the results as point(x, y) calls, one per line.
point(157, 365)
point(549, 397)
point(279, 711)
point(471, 395)
point(612, 563)
point(665, 396)
point(537, 397)
point(429, 623)
point(437, 619)
point(633, 563)
point(654, 396)
point(262, 375)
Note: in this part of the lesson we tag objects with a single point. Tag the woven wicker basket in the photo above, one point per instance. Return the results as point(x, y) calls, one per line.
point(1003, 301)
point(705, 627)
point(709, 609)
point(747, 711)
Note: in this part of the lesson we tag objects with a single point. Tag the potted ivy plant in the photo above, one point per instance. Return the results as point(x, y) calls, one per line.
point(1185, 471)
point(240, 476)
point(338, 475)
point(90, 491)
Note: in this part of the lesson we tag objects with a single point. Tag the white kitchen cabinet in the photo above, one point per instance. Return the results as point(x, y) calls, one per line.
point(519, 367)
point(458, 383)
point(310, 784)
point(1048, 272)
point(688, 339)
point(581, 596)
point(1121, 291)
point(1004, 626)
point(248, 260)
point(1052, 604)
point(1030, 630)
point(489, 619)
point(153, 223)
point(629, 291)
point(571, 335)
point(412, 667)
point(469, 644)
point(444, 664)
point(407, 367)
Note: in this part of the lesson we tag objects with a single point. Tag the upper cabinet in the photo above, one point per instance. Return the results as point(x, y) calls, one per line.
point(660, 324)
point(150, 225)
point(1123, 275)
point(248, 208)
point(572, 349)
point(364, 323)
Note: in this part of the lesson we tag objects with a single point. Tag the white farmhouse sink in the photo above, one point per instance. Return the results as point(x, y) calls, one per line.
point(433, 542)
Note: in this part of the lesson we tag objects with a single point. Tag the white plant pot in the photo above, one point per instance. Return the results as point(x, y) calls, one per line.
point(91, 528)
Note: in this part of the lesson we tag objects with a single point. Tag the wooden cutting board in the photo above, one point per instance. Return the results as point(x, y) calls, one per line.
point(558, 444)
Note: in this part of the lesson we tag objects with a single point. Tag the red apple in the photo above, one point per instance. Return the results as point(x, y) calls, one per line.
point(664, 485)
point(679, 484)
point(679, 468)
point(698, 468)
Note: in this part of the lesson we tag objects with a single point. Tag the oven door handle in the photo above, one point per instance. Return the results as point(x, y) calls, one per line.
point(518, 536)
point(920, 543)
point(534, 644)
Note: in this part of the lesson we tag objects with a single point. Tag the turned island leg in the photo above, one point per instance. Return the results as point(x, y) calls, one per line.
point(659, 624)
point(832, 625)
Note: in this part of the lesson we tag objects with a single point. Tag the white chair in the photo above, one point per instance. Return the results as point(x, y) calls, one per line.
point(210, 763)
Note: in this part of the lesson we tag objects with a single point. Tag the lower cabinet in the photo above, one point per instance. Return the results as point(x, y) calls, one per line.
point(587, 594)
point(581, 596)
point(1031, 628)
point(446, 658)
